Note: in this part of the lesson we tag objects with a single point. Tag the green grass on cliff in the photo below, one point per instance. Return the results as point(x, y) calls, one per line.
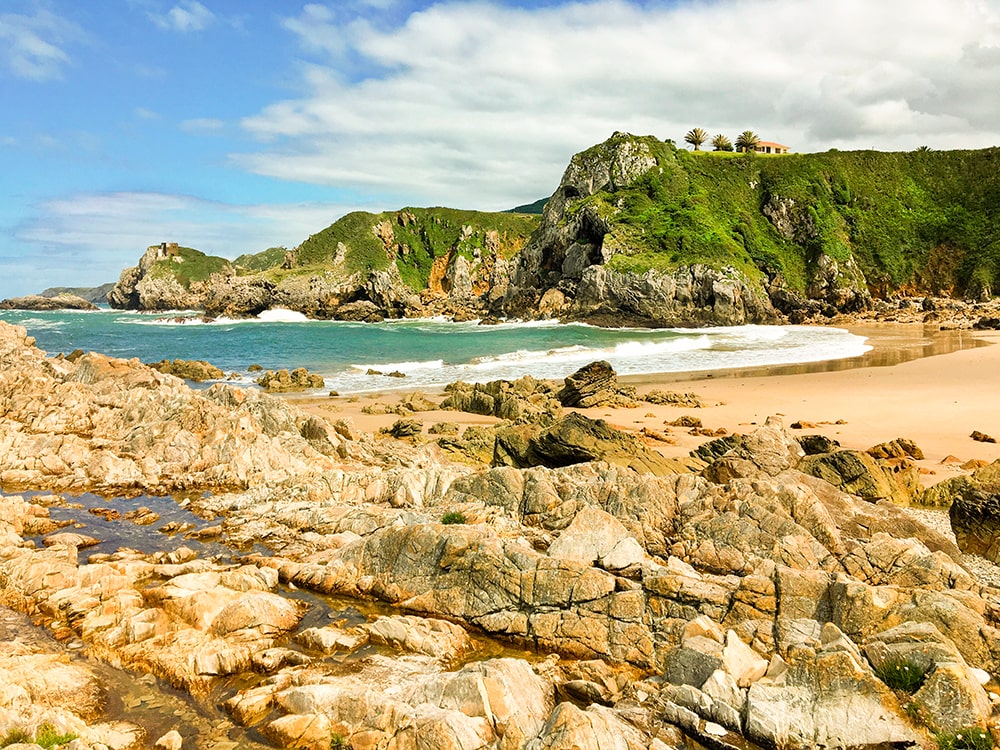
point(262, 261)
point(419, 236)
point(918, 221)
point(189, 265)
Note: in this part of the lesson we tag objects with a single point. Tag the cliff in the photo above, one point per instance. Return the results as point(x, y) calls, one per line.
point(637, 232)
point(644, 231)
point(363, 267)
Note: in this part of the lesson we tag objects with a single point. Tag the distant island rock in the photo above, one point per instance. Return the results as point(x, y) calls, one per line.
point(96, 294)
point(40, 302)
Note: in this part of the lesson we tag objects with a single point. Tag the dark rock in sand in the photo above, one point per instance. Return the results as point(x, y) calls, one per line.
point(403, 428)
point(592, 385)
point(283, 381)
point(898, 448)
point(816, 444)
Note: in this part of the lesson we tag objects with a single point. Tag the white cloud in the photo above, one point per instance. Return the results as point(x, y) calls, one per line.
point(202, 125)
point(146, 114)
point(93, 236)
point(475, 104)
point(32, 46)
point(187, 15)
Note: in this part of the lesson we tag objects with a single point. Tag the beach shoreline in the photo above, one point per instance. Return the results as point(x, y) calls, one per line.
point(931, 386)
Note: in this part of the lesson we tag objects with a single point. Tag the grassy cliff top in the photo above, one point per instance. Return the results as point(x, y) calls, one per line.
point(919, 219)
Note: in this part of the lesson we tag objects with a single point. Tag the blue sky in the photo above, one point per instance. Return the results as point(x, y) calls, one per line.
point(235, 125)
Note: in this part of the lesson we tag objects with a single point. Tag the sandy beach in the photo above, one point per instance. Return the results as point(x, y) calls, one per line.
point(934, 387)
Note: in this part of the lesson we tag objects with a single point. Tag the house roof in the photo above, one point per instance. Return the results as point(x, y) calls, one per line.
point(772, 144)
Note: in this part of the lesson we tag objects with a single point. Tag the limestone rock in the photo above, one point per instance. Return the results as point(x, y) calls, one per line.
point(952, 698)
point(438, 638)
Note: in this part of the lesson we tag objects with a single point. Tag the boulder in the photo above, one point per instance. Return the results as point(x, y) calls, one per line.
point(859, 474)
point(576, 439)
point(197, 370)
point(975, 519)
point(438, 638)
point(595, 384)
point(284, 381)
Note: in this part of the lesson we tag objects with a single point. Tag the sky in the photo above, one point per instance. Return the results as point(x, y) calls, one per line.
point(232, 126)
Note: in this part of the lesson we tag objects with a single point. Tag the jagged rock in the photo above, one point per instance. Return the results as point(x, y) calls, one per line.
point(404, 428)
point(99, 423)
point(172, 740)
point(576, 439)
point(673, 398)
point(859, 474)
point(283, 381)
point(952, 699)
point(197, 370)
point(816, 444)
point(331, 639)
point(898, 448)
point(363, 311)
point(825, 699)
point(770, 449)
point(975, 519)
point(522, 400)
point(596, 537)
point(592, 385)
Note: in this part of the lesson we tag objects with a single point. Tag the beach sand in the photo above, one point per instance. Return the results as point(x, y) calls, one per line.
point(933, 387)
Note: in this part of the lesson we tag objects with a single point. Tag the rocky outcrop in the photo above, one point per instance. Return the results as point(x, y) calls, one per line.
point(197, 370)
point(570, 251)
point(116, 425)
point(283, 381)
point(153, 285)
point(39, 302)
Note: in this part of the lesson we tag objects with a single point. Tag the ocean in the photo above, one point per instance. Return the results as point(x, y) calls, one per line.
point(430, 352)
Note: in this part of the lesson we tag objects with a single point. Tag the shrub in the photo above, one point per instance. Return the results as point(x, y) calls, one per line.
point(337, 742)
point(902, 674)
point(15, 737)
point(453, 517)
point(48, 737)
point(966, 738)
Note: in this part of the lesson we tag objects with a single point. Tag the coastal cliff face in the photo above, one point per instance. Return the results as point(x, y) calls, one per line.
point(637, 232)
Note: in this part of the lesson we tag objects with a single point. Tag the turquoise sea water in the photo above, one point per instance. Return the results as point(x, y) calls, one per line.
point(430, 352)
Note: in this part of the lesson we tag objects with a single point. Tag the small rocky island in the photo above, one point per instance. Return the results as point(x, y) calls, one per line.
point(548, 582)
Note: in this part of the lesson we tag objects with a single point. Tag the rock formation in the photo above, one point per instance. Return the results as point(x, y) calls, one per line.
point(39, 302)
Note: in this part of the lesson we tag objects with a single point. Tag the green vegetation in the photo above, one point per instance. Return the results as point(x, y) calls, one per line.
point(416, 238)
point(337, 742)
point(536, 207)
point(721, 143)
point(453, 517)
point(187, 265)
point(747, 141)
point(262, 261)
point(967, 738)
point(46, 736)
point(902, 674)
point(696, 137)
point(921, 222)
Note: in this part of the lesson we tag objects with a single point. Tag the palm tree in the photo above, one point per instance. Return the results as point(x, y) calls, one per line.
point(721, 143)
point(696, 137)
point(747, 141)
